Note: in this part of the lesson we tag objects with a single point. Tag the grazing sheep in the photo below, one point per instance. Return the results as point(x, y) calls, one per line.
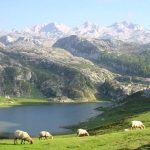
point(24, 136)
point(82, 132)
point(137, 124)
point(45, 134)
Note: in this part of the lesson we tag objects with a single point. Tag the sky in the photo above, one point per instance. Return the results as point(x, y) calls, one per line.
point(16, 14)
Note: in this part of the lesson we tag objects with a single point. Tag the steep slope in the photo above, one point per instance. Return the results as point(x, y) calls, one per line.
point(14, 77)
point(75, 68)
point(58, 75)
point(129, 61)
point(117, 56)
point(54, 73)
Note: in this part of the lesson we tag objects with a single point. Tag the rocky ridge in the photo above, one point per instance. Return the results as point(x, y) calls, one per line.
point(50, 60)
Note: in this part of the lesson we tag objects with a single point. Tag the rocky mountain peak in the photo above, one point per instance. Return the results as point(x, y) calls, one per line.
point(126, 25)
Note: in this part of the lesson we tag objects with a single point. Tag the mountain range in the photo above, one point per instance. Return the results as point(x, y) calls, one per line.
point(124, 31)
point(75, 64)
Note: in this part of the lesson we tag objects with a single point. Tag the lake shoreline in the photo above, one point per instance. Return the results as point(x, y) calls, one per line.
point(57, 117)
point(23, 102)
point(100, 109)
point(14, 102)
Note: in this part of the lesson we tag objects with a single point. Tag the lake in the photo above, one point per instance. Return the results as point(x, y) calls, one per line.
point(34, 119)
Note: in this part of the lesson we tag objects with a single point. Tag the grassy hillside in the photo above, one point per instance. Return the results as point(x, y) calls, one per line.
point(107, 131)
point(136, 107)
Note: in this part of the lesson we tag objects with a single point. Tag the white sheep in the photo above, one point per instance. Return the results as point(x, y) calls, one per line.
point(137, 124)
point(45, 134)
point(82, 132)
point(24, 136)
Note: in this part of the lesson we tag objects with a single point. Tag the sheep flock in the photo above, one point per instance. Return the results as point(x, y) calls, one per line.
point(25, 137)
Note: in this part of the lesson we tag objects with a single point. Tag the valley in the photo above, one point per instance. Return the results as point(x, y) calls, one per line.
point(50, 65)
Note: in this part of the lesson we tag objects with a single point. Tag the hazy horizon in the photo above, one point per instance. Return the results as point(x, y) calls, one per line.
point(19, 14)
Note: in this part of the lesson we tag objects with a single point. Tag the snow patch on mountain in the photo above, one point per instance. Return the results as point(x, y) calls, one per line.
point(124, 31)
point(6, 39)
point(48, 33)
point(47, 28)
